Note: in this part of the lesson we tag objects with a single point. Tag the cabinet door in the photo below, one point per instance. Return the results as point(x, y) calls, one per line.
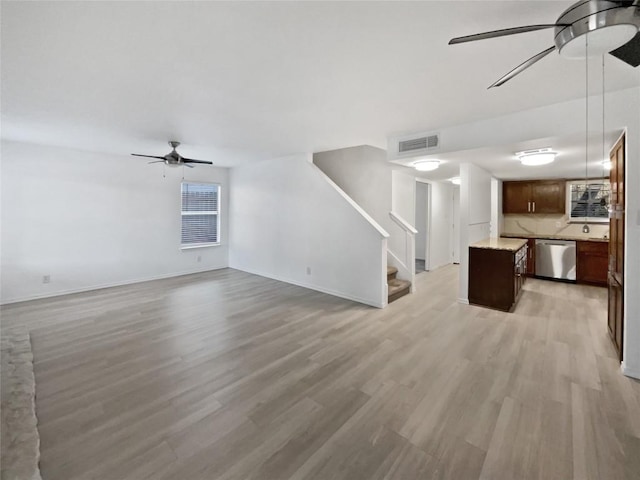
point(531, 257)
point(516, 197)
point(548, 196)
point(592, 262)
point(616, 223)
point(615, 314)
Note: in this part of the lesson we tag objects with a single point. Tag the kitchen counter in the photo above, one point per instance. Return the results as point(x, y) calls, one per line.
point(552, 237)
point(510, 244)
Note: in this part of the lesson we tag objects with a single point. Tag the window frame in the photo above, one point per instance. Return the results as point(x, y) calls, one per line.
point(217, 213)
point(569, 203)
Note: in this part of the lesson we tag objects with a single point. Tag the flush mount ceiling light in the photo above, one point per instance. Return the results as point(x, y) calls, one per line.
point(532, 158)
point(426, 165)
point(455, 180)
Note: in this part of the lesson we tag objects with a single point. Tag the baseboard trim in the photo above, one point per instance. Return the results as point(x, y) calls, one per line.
point(464, 301)
point(328, 291)
point(106, 285)
point(628, 372)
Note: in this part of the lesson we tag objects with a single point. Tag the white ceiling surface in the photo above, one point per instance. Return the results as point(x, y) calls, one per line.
point(570, 161)
point(244, 81)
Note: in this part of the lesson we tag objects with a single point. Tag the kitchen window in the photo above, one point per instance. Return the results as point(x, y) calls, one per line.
point(200, 214)
point(588, 201)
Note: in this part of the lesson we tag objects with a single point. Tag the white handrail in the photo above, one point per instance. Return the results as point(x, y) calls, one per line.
point(406, 226)
point(401, 249)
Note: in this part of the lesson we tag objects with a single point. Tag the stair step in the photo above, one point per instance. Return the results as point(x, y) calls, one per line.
point(391, 273)
point(398, 288)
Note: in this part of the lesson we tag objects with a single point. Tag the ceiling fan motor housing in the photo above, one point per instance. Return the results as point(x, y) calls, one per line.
point(609, 24)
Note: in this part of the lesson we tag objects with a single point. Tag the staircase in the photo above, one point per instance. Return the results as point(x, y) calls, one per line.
point(397, 288)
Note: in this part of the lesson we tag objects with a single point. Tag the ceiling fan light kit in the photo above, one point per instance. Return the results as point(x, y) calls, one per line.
point(608, 26)
point(173, 158)
point(426, 165)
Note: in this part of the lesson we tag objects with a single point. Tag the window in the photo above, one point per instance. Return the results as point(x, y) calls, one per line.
point(200, 214)
point(588, 202)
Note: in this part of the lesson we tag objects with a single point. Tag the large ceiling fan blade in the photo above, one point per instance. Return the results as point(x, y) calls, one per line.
point(522, 67)
point(503, 32)
point(629, 52)
point(148, 156)
point(189, 160)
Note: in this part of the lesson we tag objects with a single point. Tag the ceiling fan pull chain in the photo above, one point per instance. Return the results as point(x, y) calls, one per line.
point(604, 159)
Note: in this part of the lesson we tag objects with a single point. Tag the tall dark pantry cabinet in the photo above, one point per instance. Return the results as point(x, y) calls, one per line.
point(616, 245)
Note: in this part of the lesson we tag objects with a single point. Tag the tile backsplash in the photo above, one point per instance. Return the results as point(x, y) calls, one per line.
point(541, 224)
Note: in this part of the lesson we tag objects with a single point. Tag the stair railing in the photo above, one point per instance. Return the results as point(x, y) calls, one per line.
point(401, 250)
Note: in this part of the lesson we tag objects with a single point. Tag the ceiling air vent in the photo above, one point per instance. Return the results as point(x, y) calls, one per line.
point(402, 148)
point(420, 143)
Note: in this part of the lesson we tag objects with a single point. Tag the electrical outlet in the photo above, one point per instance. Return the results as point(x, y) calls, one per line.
point(308, 270)
point(199, 258)
point(46, 279)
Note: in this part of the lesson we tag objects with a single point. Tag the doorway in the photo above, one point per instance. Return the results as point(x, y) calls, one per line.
point(422, 223)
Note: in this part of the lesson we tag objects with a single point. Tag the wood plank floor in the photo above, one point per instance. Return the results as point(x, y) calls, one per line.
point(226, 375)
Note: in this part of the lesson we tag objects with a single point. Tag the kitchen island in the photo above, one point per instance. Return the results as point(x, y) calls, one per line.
point(497, 268)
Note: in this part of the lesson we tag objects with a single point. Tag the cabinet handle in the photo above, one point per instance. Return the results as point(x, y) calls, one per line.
point(528, 206)
point(534, 207)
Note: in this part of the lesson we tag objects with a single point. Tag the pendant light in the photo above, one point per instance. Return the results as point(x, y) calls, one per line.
point(585, 227)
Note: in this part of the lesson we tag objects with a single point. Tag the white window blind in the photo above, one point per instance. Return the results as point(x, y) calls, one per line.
point(588, 202)
point(200, 214)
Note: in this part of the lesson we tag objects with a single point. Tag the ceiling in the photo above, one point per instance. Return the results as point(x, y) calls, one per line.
point(237, 82)
point(502, 162)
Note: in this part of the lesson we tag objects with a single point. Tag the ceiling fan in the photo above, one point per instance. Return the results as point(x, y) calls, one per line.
point(173, 158)
point(607, 25)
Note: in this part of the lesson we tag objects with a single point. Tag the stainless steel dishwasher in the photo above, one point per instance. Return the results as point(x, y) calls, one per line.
point(556, 259)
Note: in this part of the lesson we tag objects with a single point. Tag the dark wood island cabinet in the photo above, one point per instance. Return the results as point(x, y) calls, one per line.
point(497, 271)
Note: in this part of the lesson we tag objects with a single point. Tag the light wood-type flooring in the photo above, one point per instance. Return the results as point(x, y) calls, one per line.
point(226, 375)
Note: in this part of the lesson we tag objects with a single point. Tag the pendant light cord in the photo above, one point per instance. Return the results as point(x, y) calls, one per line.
point(604, 159)
point(585, 227)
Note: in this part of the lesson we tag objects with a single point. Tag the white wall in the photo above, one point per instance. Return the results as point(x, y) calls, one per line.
point(291, 223)
point(496, 208)
point(91, 220)
point(403, 194)
point(475, 217)
point(422, 190)
point(364, 174)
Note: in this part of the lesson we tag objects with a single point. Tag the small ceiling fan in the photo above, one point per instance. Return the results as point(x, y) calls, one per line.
point(173, 158)
point(603, 25)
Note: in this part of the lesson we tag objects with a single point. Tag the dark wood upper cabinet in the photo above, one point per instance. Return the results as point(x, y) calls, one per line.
point(516, 197)
point(534, 196)
point(548, 196)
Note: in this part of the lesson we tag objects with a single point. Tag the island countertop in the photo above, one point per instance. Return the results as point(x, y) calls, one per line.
point(554, 237)
point(510, 244)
